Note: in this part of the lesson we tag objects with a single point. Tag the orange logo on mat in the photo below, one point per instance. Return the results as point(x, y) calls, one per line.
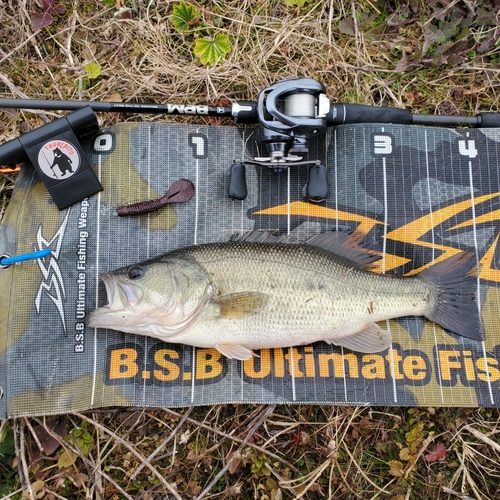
point(411, 233)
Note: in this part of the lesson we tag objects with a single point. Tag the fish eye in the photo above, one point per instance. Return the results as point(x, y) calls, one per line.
point(135, 272)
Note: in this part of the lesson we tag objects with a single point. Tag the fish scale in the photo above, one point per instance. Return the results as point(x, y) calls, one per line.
point(340, 300)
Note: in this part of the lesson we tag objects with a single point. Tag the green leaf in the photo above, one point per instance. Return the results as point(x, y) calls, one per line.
point(415, 436)
point(7, 442)
point(212, 51)
point(183, 16)
point(67, 459)
point(93, 70)
point(298, 3)
point(83, 438)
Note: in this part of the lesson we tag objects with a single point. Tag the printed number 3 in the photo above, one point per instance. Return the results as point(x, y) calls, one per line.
point(382, 144)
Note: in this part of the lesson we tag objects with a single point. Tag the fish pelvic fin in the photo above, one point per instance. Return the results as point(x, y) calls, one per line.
point(370, 339)
point(238, 305)
point(234, 351)
point(457, 307)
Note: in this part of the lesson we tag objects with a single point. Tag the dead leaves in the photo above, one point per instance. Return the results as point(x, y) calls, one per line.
point(37, 491)
point(396, 468)
point(234, 458)
point(49, 437)
point(51, 443)
point(417, 441)
point(438, 452)
point(50, 8)
point(450, 35)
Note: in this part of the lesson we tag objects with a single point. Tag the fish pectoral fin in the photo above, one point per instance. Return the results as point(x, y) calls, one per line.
point(237, 305)
point(234, 351)
point(370, 339)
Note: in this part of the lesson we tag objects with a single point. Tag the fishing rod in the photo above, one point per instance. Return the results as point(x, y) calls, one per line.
point(289, 113)
point(238, 110)
point(246, 111)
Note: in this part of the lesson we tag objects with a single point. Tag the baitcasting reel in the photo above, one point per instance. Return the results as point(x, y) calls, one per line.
point(290, 112)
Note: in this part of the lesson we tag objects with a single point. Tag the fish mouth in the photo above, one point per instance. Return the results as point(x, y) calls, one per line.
point(122, 301)
point(112, 290)
point(120, 295)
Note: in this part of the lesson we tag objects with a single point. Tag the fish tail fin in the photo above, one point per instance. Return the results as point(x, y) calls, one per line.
point(457, 308)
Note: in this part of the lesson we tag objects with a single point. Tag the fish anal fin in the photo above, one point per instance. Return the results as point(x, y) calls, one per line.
point(238, 305)
point(234, 351)
point(372, 338)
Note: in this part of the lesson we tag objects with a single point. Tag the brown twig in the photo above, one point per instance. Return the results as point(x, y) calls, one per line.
point(134, 452)
point(164, 442)
point(235, 439)
point(262, 418)
point(23, 470)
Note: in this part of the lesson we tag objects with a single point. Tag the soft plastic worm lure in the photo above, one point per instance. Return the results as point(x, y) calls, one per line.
point(180, 191)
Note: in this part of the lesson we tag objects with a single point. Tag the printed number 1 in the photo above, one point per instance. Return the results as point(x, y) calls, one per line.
point(467, 148)
point(198, 143)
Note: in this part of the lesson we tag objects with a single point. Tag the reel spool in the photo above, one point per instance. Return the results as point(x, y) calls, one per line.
point(300, 105)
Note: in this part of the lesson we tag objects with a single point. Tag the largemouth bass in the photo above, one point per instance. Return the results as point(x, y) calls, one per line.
point(241, 296)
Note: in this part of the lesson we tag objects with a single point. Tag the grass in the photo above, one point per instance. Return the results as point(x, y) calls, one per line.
point(427, 57)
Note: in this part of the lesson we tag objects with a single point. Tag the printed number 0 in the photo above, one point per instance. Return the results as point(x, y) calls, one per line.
point(103, 143)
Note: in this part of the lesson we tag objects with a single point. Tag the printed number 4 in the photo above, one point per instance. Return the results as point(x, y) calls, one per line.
point(467, 148)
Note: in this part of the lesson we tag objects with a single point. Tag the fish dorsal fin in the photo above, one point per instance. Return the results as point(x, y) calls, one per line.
point(343, 244)
point(371, 339)
point(237, 305)
point(234, 351)
point(346, 245)
point(260, 236)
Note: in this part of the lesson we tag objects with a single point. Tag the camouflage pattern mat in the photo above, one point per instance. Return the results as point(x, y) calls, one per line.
point(420, 194)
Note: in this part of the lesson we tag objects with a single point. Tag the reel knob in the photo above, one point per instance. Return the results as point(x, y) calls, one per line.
point(237, 188)
point(317, 185)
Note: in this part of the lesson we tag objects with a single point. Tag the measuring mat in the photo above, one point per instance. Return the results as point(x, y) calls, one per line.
point(420, 195)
